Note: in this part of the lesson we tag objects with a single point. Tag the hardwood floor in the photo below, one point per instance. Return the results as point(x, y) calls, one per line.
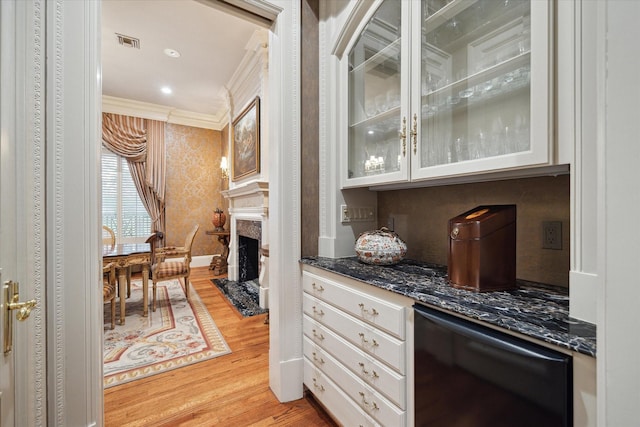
point(230, 390)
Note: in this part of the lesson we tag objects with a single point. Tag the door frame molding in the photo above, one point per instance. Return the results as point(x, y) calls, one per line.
point(73, 251)
point(73, 255)
point(23, 145)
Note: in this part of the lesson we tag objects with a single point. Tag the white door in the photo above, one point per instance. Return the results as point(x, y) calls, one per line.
point(22, 369)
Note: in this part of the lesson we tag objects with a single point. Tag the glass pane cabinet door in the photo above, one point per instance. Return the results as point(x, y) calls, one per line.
point(475, 80)
point(374, 147)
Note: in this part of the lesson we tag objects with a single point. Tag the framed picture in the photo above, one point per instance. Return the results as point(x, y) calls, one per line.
point(246, 141)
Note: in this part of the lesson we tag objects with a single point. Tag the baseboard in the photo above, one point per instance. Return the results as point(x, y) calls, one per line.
point(201, 260)
point(583, 291)
point(286, 379)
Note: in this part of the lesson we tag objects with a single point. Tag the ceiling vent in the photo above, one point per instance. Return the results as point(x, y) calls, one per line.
point(128, 41)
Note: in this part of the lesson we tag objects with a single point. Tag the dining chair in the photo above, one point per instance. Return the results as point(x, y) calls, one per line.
point(173, 262)
point(152, 240)
point(109, 289)
point(108, 236)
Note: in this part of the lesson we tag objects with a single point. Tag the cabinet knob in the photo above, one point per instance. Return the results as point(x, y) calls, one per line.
point(318, 288)
point(317, 312)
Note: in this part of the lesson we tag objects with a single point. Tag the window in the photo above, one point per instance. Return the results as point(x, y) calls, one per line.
point(122, 210)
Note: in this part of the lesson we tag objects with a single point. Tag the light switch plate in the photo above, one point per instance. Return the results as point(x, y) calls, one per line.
point(357, 213)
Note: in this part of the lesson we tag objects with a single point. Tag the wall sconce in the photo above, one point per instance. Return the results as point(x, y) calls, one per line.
point(224, 167)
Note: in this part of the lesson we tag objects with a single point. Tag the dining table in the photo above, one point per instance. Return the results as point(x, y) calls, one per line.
point(124, 256)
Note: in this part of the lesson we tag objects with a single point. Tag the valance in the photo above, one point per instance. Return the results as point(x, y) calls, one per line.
point(125, 136)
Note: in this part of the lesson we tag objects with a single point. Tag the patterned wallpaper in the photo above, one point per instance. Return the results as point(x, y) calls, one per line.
point(193, 185)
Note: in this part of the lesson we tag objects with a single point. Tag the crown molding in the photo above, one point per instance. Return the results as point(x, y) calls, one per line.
point(259, 12)
point(248, 79)
point(163, 113)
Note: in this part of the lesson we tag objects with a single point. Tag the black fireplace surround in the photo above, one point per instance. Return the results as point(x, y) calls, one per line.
point(249, 236)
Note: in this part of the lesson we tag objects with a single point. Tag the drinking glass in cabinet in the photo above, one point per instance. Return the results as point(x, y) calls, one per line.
point(374, 94)
point(475, 79)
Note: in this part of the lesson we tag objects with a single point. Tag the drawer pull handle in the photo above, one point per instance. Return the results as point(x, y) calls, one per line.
point(321, 360)
point(318, 288)
point(373, 374)
point(319, 336)
point(316, 386)
point(371, 405)
point(318, 312)
point(373, 311)
point(366, 341)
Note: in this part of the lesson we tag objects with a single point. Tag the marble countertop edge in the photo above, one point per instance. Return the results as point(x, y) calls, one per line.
point(535, 310)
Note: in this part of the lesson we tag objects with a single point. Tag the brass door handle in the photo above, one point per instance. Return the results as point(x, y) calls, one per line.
point(24, 308)
point(11, 298)
point(414, 133)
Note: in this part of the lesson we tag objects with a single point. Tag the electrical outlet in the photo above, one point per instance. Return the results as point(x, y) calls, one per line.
point(552, 235)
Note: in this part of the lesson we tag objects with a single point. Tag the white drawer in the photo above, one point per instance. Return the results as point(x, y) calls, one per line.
point(382, 378)
point(339, 404)
point(363, 336)
point(384, 315)
point(369, 400)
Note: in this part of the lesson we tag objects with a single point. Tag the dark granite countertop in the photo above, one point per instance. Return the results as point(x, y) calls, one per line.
point(535, 310)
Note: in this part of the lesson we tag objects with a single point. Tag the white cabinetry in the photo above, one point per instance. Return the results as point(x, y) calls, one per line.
point(438, 89)
point(358, 350)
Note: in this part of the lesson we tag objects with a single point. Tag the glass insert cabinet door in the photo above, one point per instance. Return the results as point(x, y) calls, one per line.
point(474, 87)
point(374, 97)
point(443, 88)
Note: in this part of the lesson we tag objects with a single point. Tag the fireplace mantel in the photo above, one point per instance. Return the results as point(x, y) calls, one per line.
point(253, 195)
point(249, 202)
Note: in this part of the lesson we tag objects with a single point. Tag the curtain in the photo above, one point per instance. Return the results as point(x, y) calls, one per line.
point(155, 177)
point(141, 142)
point(125, 136)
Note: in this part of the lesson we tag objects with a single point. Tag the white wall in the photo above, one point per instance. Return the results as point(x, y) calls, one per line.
point(619, 237)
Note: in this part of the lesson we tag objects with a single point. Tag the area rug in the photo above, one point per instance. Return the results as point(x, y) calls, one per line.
point(244, 296)
point(177, 334)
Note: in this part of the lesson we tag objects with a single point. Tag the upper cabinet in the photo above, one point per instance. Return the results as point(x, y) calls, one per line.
point(439, 89)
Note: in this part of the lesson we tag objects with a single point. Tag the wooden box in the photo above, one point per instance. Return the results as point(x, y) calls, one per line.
point(482, 249)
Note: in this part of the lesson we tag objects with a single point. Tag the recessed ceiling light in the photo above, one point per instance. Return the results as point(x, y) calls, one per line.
point(166, 90)
point(172, 53)
point(370, 132)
